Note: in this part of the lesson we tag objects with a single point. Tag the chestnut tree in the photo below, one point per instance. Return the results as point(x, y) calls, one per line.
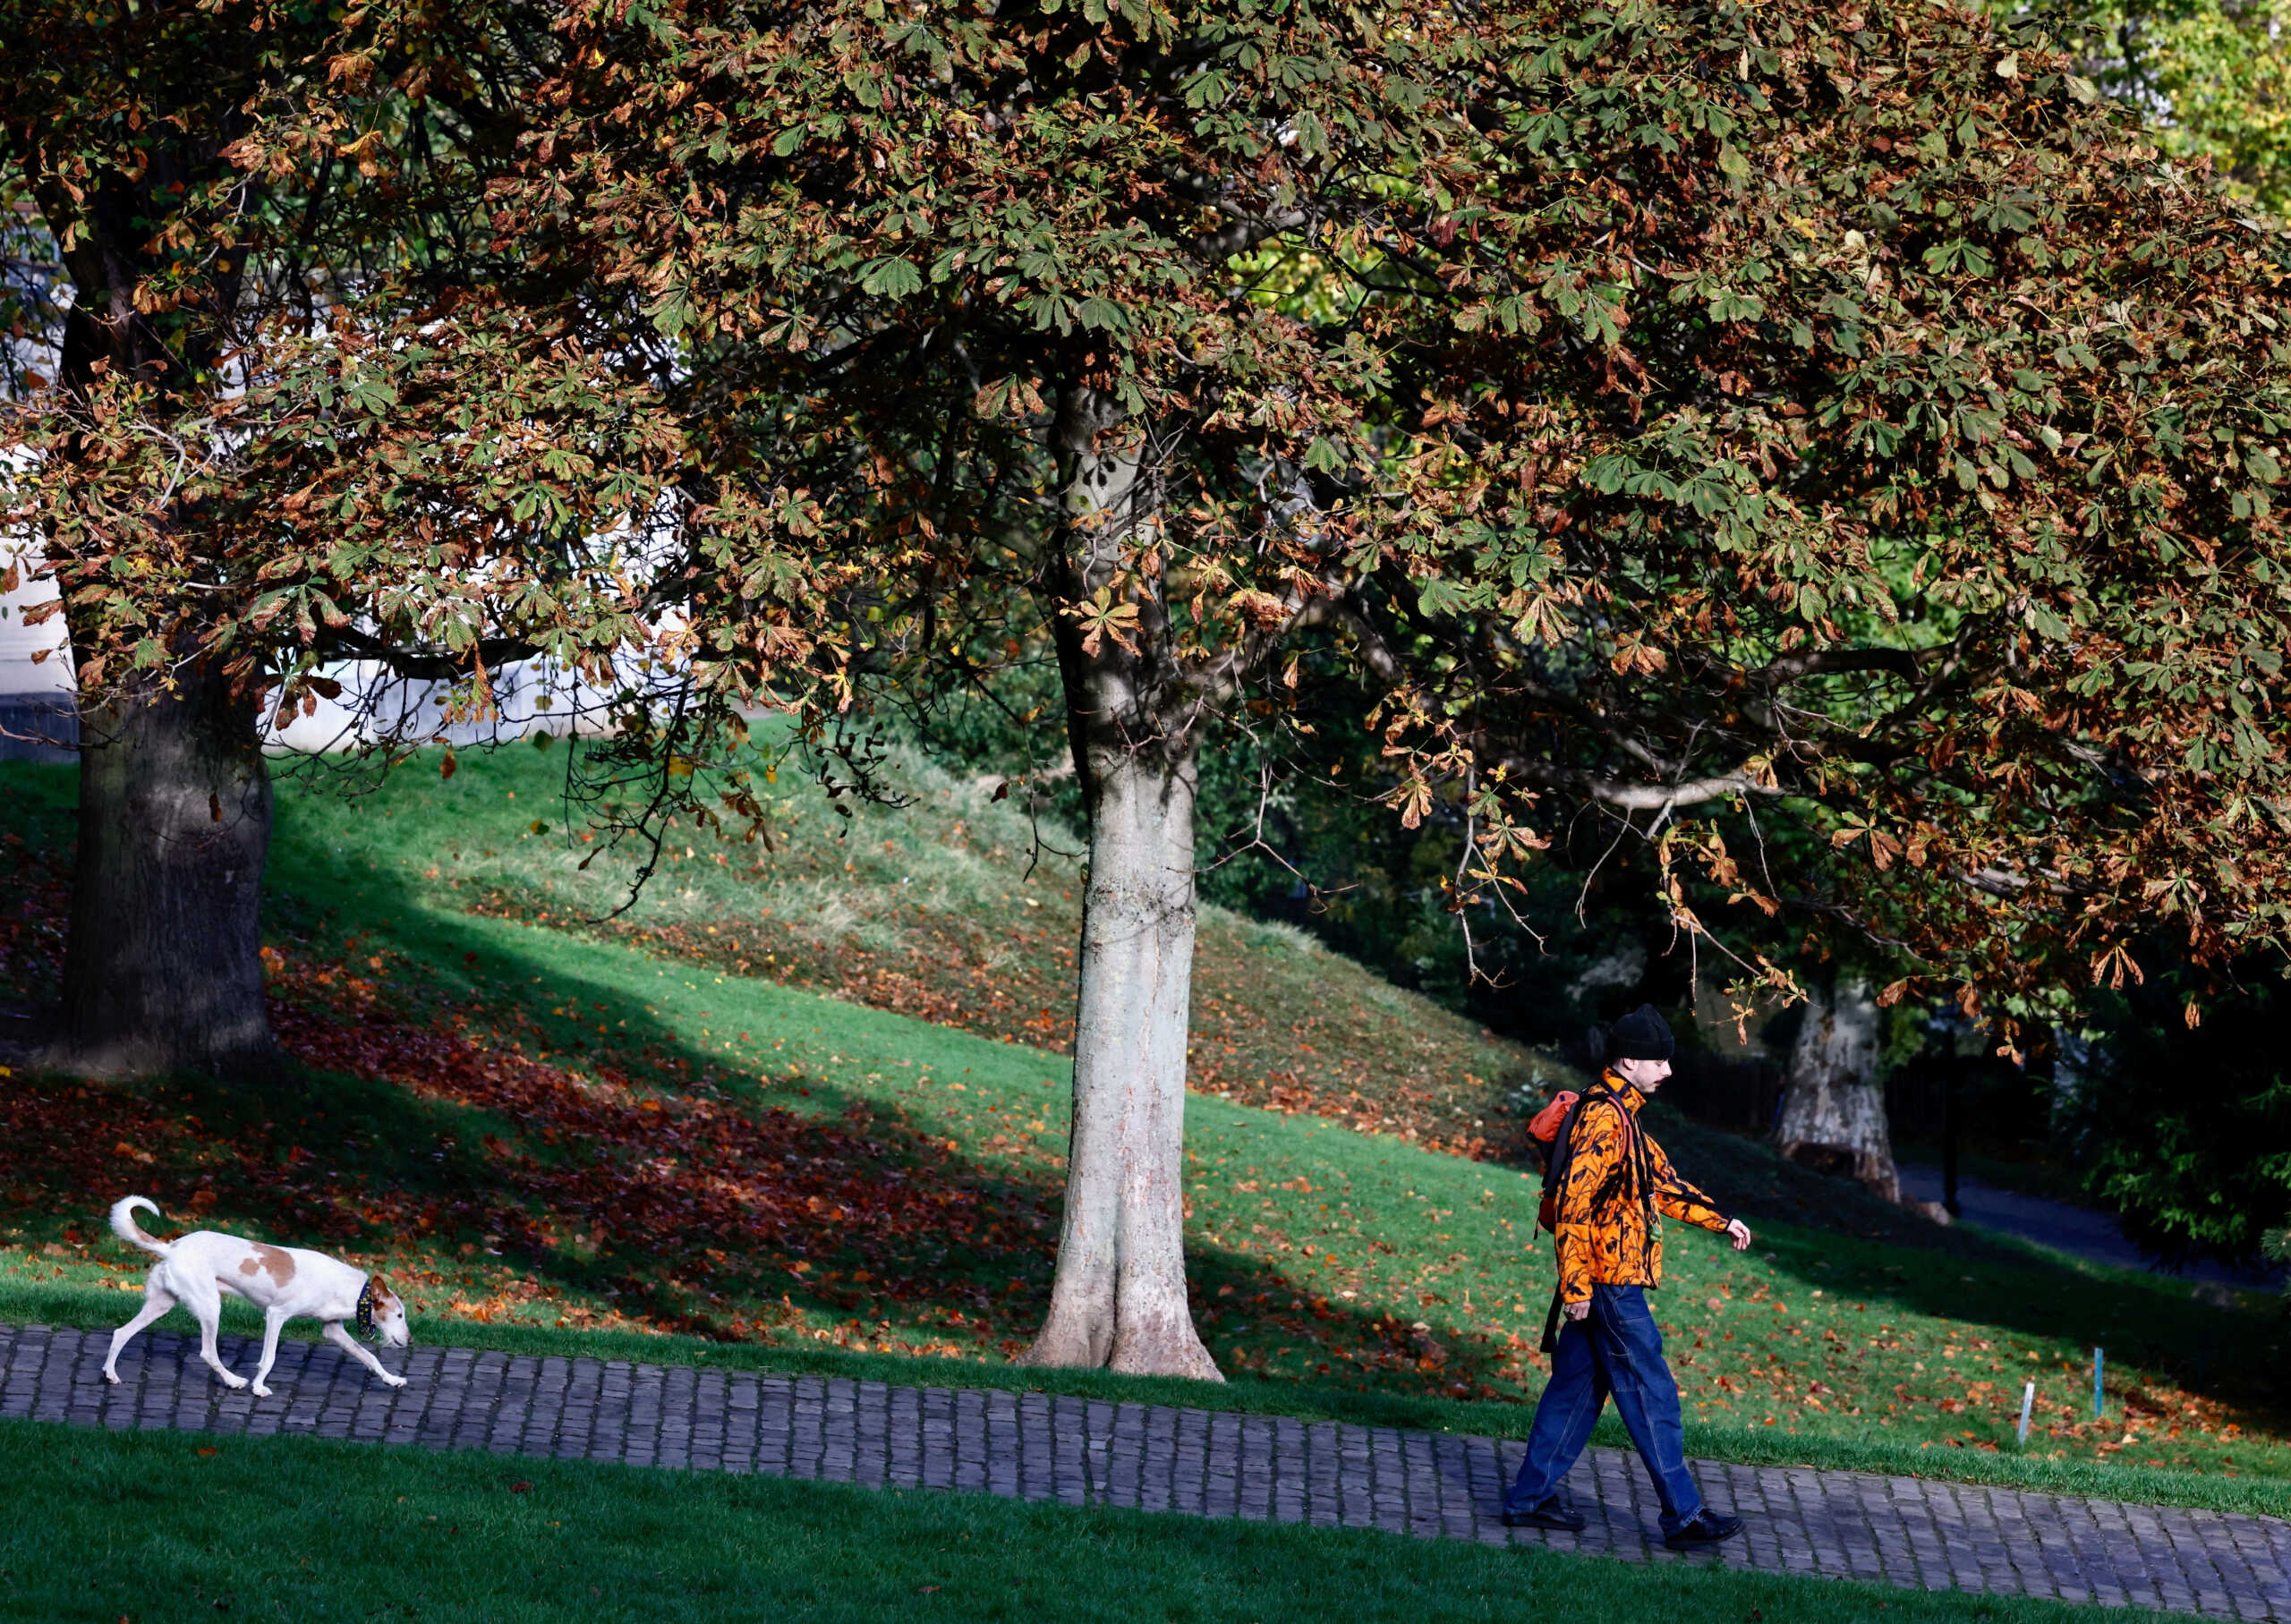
point(273, 412)
point(1694, 414)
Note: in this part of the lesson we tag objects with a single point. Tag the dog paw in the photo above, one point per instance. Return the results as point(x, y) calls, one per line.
point(260, 1390)
point(233, 1382)
point(393, 1380)
point(111, 1376)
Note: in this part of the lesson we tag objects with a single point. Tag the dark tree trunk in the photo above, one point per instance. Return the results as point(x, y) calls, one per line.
point(163, 968)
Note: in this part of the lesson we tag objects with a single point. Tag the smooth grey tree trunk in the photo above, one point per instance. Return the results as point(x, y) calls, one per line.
point(164, 970)
point(1833, 1112)
point(1119, 1299)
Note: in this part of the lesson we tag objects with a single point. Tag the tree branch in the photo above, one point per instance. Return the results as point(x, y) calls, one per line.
point(426, 665)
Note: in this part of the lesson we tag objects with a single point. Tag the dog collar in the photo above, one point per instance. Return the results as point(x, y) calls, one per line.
point(366, 1309)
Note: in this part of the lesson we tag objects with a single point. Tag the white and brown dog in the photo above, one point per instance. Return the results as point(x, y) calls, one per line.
point(285, 1282)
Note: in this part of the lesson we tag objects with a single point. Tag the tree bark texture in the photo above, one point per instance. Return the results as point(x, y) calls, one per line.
point(1833, 1110)
point(1119, 1299)
point(163, 969)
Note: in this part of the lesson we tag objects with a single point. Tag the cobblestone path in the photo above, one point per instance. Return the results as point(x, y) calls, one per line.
point(1903, 1531)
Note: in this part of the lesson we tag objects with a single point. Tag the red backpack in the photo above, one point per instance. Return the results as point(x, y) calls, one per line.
point(1551, 1128)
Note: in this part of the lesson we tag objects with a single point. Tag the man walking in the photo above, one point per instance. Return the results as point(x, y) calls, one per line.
point(1611, 1180)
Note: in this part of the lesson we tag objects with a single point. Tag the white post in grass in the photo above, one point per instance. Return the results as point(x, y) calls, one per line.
point(2028, 1402)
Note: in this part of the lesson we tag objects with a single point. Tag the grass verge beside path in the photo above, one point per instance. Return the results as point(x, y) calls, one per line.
point(96, 1310)
point(164, 1527)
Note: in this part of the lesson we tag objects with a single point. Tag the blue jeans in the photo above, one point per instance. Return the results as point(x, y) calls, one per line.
point(1615, 1349)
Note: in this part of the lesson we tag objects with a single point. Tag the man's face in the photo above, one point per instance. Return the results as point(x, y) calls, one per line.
point(1645, 1075)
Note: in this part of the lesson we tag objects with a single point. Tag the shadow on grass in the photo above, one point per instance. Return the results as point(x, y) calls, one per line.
point(1872, 1251)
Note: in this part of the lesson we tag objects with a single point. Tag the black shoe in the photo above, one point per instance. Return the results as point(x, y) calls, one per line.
point(1706, 1527)
point(1551, 1514)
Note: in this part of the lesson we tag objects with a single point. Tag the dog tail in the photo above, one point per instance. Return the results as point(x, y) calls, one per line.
point(124, 1224)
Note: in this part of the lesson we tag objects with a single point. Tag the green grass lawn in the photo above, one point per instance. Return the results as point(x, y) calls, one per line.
point(170, 1527)
point(532, 1128)
point(955, 907)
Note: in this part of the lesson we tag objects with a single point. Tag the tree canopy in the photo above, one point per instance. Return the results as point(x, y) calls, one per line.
point(251, 459)
point(254, 452)
point(1666, 404)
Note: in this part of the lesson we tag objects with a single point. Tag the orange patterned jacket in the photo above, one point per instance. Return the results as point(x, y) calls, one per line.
point(1617, 1179)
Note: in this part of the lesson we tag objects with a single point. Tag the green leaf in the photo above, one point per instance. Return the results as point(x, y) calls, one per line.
point(1437, 596)
point(1958, 254)
point(1606, 473)
point(1103, 314)
point(892, 278)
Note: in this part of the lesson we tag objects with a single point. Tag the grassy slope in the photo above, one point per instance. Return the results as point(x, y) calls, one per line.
point(961, 910)
point(892, 1186)
point(167, 1527)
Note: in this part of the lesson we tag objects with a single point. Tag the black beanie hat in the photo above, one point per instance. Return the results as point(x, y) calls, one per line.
point(1640, 1035)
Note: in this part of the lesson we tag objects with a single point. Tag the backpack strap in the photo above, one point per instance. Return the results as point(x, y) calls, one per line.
point(1562, 1153)
point(1635, 1164)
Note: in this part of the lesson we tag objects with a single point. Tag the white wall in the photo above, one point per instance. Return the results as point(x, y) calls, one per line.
point(19, 643)
point(530, 695)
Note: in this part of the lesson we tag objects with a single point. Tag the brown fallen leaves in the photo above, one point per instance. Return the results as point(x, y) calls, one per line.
point(673, 1198)
point(1258, 1038)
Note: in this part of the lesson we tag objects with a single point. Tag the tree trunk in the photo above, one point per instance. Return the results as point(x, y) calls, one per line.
point(163, 969)
point(1119, 1299)
point(1833, 1113)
